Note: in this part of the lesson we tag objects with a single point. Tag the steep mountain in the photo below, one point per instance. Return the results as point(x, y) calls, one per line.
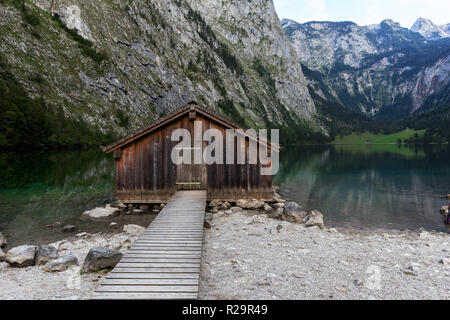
point(382, 70)
point(429, 30)
point(113, 66)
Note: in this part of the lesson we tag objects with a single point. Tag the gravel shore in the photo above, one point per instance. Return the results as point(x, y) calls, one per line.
point(250, 256)
point(32, 283)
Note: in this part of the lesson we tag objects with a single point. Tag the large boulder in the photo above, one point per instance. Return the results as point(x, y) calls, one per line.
point(2, 255)
point(315, 218)
point(61, 264)
point(133, 229)
point(294, 213)
point(100, 258)
point(45, 254)
point(101, 213)
point(3, 241)
point(22, 256)
point(250, 204)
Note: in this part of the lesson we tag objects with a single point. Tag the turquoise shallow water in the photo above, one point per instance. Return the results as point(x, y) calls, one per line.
point(371, 187)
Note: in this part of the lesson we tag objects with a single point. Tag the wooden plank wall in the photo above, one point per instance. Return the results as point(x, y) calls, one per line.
point(146, 174)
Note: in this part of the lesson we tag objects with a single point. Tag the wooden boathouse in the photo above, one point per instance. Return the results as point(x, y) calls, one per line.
point(145, 173)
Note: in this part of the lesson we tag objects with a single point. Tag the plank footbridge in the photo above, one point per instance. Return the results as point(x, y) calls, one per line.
point(164, 262)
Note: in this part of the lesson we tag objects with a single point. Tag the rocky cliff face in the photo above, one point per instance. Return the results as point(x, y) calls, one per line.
point(131, 61)
point(382, 70)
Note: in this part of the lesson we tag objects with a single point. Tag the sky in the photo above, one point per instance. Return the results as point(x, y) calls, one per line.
point(365, 12)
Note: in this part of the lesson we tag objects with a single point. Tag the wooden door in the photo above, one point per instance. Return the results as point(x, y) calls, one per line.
point(192, 176)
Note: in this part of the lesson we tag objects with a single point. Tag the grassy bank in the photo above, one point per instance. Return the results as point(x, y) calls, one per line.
point(371, 138)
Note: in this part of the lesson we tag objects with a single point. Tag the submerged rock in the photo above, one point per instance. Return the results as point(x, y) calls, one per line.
point(113, 225)
point(3, 241)
point(61, 264)
point(315, 218)
point(69, 228)
point(133, 229)
point(101, 213)
point(100, 258)
point(46, 254)
point(22, 256)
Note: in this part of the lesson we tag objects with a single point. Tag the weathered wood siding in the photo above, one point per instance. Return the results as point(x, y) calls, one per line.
point(145, 172)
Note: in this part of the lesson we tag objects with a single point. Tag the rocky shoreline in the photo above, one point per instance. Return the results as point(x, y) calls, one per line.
point(244, 243)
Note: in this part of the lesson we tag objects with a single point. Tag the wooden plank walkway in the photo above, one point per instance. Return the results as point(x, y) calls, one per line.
point(164, 262)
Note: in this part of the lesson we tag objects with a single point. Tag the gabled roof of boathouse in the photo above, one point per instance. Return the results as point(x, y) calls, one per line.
point(180, 112)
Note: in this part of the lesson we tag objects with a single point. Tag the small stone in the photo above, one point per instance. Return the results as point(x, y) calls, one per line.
point(444, 210)
point(448, 196)
point(250, 204)
point(100, 213)
point(69, 228)
point(236, 209)
point(113, 225)
point(293, 213)
point(53, 225)
point(162, 205)
point(208, 216)
point(341, 289)
point(315, 218)
point(115, 245)
point(225, 206)
point(413, 267)
point(66, 246)
point(144, 207)
point(215, 210)
point(207, 225)
point(215, 203)
point(121, 206)
point(445, 261)
point(409, 272)
point(267, 208)
point(277, 214)
point(3, 241)
point(2, 255)
point(228, 212)
point(358, 283)
point(100, 258)
point(81, 234)
point(137, 211)
point(332, 230)
point(46, 254)
point(22, 256)
point(61, 264)
point(133, 229)
point(279, 205)
point(279, 200)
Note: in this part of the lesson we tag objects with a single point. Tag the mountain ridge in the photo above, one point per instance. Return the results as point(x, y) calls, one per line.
point(381, 70)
